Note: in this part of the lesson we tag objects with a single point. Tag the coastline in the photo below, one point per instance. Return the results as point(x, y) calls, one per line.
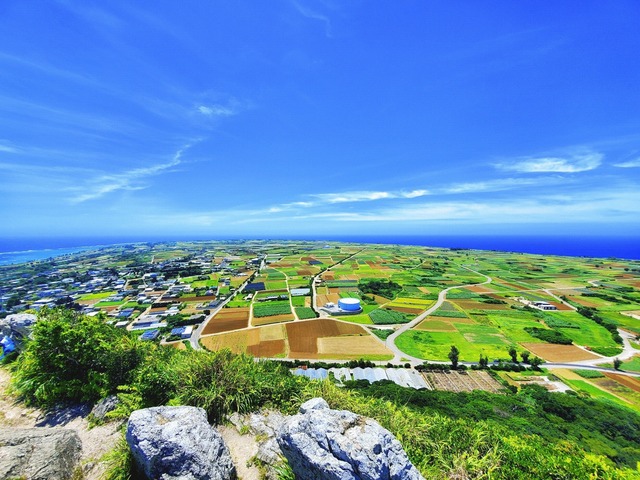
point(626, 248)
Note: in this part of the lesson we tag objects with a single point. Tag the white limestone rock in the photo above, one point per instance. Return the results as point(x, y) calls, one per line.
point(324, 444)
point(170, 443)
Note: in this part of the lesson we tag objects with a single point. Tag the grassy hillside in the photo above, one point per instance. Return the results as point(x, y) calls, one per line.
point(529, 435)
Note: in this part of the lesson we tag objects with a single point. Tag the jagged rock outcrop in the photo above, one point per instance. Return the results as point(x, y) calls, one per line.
point(324, 444)
point(104, 406)
point(265, 426)
point(17, 327)
point(38, 453)
point(178, 443)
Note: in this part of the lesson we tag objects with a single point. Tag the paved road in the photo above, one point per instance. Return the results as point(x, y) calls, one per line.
point(195, 336)
point(322, 313)
point(442, 296)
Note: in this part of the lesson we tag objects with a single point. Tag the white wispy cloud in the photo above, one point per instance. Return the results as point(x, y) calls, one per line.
point(629, 164)
point(499, 184)
point(366, 196)
point(593, 206)
point(568, 164)
point(307, 12)
point(6, 148)
point(217, 110)
point(129, 180)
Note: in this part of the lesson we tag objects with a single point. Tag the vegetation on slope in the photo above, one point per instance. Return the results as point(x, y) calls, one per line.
point(530, 435)
point(384, 288)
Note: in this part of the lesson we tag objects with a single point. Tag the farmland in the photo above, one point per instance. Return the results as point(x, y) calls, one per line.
point(239, 287)
point(398, 284)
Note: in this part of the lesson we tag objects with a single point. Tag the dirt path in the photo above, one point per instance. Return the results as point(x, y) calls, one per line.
point(95, 442)
point(242, 448)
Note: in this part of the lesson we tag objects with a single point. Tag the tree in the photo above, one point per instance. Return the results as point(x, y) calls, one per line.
point(483, 362)
point(525, 357)
point(536, 362)
point(617, 363)
point(454, 355)
point(513, 353)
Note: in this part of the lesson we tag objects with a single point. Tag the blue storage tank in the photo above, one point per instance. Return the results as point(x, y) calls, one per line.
point(349, 304)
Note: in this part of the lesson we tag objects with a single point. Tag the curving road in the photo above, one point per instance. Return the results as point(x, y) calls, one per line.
point(195, 336)
point(442, 296)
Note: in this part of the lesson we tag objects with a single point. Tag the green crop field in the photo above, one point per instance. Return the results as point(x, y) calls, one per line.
point(269, 309)
point(305, 312)
point(383, 316)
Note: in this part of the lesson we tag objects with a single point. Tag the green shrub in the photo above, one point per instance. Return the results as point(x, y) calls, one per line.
point(548, 335)
point(72, 357)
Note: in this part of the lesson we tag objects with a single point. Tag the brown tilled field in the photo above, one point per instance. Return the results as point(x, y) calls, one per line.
point(304, 272)
point(479, 289)
point(235, 341)
point(462, 381)
point(561, 306)
point(234, 313)
point(258, 321)
point(632, 382)
point(331, 297)
point(269, 348)
point(558, 353)
point(582, 301)
point(219, 325)
point(303, 336)
point(350, 347)
point(263, 342)
point(227, 320)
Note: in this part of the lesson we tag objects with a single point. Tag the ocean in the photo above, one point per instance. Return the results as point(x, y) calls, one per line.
point(14, 251)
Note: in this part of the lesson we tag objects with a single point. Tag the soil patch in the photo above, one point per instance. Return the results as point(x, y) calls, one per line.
point(558, 353)
point(631, 382)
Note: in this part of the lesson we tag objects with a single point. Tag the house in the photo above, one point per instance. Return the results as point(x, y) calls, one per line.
point(300, 292)
point(150, 335)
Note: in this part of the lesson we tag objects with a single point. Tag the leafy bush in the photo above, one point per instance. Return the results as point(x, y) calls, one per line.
point(607, 351)
point(73, 357)
point(550, 336)
point(382, 333)
point(384, 288)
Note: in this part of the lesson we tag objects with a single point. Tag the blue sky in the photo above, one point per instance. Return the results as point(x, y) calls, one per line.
point(301, 117)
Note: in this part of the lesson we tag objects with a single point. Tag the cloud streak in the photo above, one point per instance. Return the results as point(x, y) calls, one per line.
point(125, 181)
point(216, 111)
point(572, 164)
point(312, 14)
point(365, 196)
point(630, 164)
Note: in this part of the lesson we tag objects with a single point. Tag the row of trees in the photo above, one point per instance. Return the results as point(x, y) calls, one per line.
point(454, 357)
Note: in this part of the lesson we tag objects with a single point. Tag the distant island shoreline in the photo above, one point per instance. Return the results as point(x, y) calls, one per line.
point(14, 251)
